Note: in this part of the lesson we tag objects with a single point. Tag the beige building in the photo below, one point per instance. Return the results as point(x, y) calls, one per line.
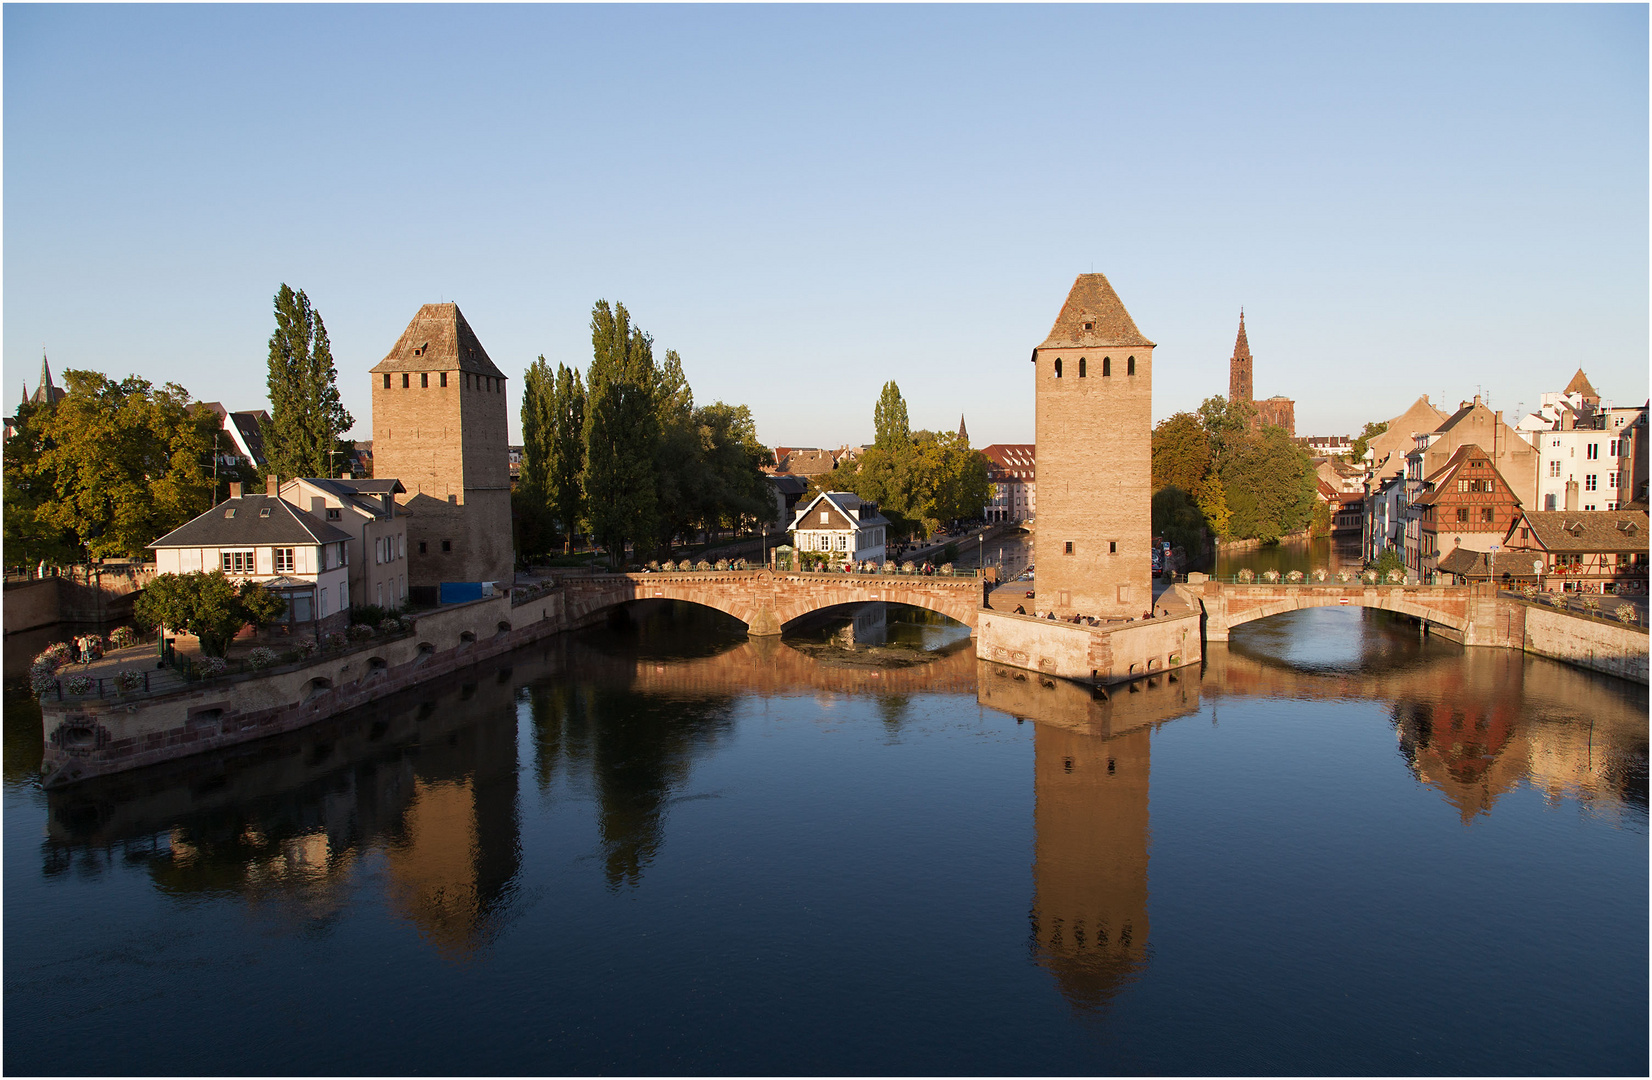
point(367, 510)
point(439, 426)
point(1093, 429)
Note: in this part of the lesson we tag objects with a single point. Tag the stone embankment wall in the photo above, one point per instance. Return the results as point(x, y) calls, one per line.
point(1590, 643)
point(90, 737)
point(1101, 655)
point(101, 594)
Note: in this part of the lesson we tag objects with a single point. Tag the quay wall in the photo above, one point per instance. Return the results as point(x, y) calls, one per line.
point(100, 594)
point(31, 604)
point(1101, 655)
point(1589, 643)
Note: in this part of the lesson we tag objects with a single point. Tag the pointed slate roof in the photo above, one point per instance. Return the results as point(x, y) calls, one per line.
point(1580, 385)
point(963, 432)
point(1093, 316)
point(439, 339)
point(1241, 348)
point(46, 391)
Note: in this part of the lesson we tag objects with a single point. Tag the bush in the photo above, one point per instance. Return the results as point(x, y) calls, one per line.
point(370, 614)
point(653, 564)
point(1591, 603)
point(722, 564)
point(1396, 576)
point(43, 681)
point(1529, 591)
point(261, 658)
point(334, 640)
point(1294, 577)
point(1626, 613)
point(77, 685)
point(1554, 599)
point(122, 637)
point(907, 567)
point(53, 656)
point(946, 568)
point(210, 667)
point(359, 632)
point(307, 648)
point(702, 565)
point(889, 566)
point(392, 625)
point(1246, 576)
point(129, 680)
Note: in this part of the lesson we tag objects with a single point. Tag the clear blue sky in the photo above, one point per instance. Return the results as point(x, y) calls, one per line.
point(807, 201)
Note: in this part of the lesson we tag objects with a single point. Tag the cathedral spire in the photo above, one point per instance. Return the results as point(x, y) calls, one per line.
point(1239, 368)
point(963, 432)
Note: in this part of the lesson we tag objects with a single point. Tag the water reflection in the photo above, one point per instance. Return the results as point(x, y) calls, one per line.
point(1092, 755)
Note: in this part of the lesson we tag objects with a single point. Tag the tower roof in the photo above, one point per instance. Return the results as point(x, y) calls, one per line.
point(438, 339)
point(1580, 385)
point(46, 392)
point(1241, 348)
point(1093, 316)
point(963, 432)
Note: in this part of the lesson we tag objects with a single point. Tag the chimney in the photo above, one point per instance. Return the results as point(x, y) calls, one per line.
point(344, 476)
point(272, 485)
point(235, 489)
point(1571, 494)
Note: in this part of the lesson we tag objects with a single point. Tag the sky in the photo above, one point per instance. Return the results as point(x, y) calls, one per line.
point(808, 201)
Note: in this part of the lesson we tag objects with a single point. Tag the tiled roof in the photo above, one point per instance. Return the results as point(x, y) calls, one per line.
point(1093, 316)
point(1486, 564)
point(1019, 460)
point(365, 494)
point(1587, 530)
point(245, 521)
point(438, 339)
point(1580, 385)
point(808, 462)
point(1442, 479)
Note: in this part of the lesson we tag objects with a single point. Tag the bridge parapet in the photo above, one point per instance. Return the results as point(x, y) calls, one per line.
point(1226, 605)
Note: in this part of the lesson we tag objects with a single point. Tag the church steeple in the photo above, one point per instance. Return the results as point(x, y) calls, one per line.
point(46, 392)
point(1239, 368)
point(963, 432)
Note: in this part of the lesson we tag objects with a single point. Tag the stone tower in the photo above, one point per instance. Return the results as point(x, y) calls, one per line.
point(1093, 393)
point(439, 426)
point(1239, 368)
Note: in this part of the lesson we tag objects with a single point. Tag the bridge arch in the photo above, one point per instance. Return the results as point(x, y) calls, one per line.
point(1227, 606)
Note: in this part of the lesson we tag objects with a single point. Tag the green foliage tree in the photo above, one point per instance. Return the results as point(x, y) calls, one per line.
point(107, 469)
point(1363, 443)
point(306, 414)
point(1271, 486)
point(208, 605)
point(565, 454)
point(1181, 452)
point(1228, 425)
point(893, 431)
point(622, 433)
point(1178, 519)
point(1212, 500)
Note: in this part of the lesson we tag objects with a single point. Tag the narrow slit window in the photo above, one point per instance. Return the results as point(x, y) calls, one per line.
point(1106, 366)
point(1058, 367)
point(1130, 366)
point(1082, 366)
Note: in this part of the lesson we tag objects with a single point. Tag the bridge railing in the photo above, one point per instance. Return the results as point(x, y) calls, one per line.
point(1330, 581)
point(834, 572)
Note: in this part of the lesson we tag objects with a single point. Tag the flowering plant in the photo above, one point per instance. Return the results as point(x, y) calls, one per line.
point(261, 658)
point(122, 637)
point(42, 681)
point(77, 684)
point(359, 632)
point(334, 640)
point(210, 667)
point(130, 679)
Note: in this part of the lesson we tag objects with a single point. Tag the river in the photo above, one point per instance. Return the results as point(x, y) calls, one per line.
point(1339, 847)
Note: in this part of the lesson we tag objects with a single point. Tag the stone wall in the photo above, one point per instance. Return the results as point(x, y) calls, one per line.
point(1100, 655)
point(1590, 643)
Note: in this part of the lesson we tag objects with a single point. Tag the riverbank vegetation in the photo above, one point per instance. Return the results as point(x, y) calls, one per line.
point(623, 453)
point(919, 480)
point(1216, 470)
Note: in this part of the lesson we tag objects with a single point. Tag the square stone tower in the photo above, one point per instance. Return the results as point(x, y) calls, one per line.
point(440, 427)
point(1094, 397)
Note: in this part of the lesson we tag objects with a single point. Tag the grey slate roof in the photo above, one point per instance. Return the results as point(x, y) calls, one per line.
point(845, 501)
point(243, 522)
point(438, 339)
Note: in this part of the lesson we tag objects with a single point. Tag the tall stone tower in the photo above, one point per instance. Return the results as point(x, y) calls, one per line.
point(1094, 424)
point(439, 426)
point(1239, 368)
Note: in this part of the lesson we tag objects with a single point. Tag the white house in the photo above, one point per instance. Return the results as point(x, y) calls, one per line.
point(259, 537)
point(368, 511)
point(838, 522)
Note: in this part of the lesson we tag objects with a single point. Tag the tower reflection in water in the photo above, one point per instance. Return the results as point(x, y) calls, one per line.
point(1091, 761)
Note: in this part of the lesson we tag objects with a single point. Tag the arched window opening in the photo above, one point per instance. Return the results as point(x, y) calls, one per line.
point(1082, 365)
point(1106, 366)
point(1130, 366)
point(1058, 367)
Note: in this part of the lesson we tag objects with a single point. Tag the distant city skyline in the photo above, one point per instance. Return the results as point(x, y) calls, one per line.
point(806, 202)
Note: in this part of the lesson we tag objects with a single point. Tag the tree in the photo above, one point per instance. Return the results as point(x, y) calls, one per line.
point(1361, 444)
point(1212, 500)
point(1177, 519)
point(889, 419)
point(207, 605)
point(622, 433)
point(306, 415)
point(565, 453)
point(1181, 452)
point(1228, 425)
point(107, 469)
point(1271, 486)
point(538, 426)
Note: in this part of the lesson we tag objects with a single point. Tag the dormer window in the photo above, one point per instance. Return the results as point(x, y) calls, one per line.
point(1089, 326)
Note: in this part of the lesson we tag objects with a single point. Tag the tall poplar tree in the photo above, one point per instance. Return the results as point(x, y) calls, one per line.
point(565, 452)
point(889, 421)
point(306, 415)
point(622, 431)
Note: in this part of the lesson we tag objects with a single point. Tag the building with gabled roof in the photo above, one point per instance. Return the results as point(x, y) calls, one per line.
point(366, 509)
point(1585, 551)
point(840, 524)
point(1581, 386)
point(298, 556)
point(440, 421)
point(47, 392)
point(1093, 394)
point(1012, 470)
point(1466, 503)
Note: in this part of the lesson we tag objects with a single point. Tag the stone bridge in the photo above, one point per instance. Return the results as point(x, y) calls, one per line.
point(1455, 610)
point(766, 600)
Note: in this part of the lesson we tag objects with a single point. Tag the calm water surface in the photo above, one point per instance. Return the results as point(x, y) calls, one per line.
point(1341, 848)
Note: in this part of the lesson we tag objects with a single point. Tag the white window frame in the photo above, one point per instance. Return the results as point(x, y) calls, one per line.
point(287, 564)
point(237, 561)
